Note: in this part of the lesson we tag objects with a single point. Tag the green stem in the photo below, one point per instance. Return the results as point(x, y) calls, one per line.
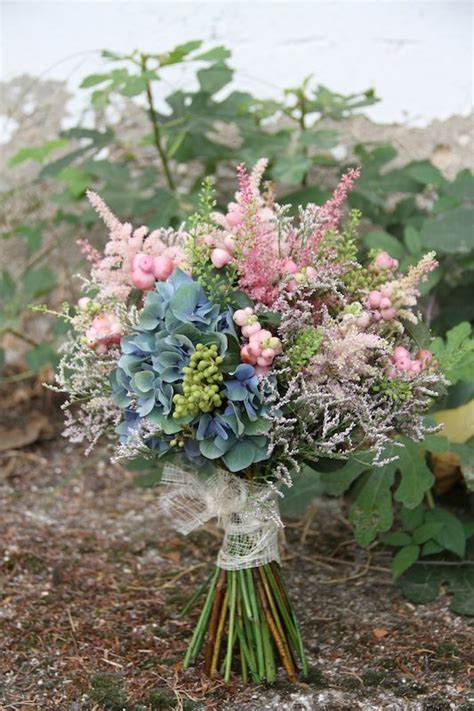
point(156, 128)
point(231, 637)
point(430, 499)
point(195, 596)
point(257, 623)
point(200, 630)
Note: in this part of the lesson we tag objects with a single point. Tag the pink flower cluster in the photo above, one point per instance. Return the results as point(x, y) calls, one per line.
point(146, 270)
point(262, 346)
point(402, 360)
point(104, 331)
point(384, 261)
point(222, 249)
point(380, 304)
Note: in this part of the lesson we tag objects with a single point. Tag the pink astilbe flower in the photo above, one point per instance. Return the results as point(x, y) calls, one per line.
point(405, 290)
point(114, 272)
point(89, 251)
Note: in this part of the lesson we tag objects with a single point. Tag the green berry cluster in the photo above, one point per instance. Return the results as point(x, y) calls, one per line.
point(394, 388)
point(306, 344)
point(202, 378)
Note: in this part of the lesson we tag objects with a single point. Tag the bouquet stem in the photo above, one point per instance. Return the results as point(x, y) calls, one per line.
point(247, 622)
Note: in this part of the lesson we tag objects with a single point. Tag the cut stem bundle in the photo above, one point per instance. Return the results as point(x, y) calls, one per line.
point(247, 623)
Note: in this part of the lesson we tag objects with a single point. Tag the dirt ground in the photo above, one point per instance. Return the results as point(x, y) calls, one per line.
point(92, 583)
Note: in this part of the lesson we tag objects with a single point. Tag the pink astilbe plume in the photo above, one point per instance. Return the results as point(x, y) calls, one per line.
point(114, 270)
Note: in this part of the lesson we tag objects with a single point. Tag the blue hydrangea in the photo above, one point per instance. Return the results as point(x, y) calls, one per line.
point(176, 317)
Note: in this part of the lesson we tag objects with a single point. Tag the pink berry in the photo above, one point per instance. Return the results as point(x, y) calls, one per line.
point(260, 337)
point(311, 272)
point(400, 352)
point(383, 261)
point(268, 353)
point(385, 303)
point(387, 291)
point(101, 349)
point(247, 356)
point(163, 267)
point(425, 357)
point(388, 314)
point(219, 258)
point(143, 262)
point(363, 320)
point(83, 302)
point(241, 317)
point(254, 350)
point(264, 361)
point(376, 315)
point(251, 329)
point(234, 216)
point(403, 363)
point(416, 366)
point(374, 299)
point(261, 370)
point(143, 280)
point(229, 244)
point(289, 267)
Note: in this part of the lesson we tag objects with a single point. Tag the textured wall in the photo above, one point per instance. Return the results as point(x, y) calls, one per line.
point(417, 54)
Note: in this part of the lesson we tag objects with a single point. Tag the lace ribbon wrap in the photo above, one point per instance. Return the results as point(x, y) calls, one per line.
point(247, 511)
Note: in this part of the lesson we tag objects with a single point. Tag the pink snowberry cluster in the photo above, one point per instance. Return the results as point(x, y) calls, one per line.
point(384, 261)
point(402, 360)
point(146, 270)
point(380, 304)
point(298, 276)
point(222, 249)
point(104, 331)
point(262, 347)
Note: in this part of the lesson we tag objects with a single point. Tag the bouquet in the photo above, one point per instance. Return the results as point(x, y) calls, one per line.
point(233, 352)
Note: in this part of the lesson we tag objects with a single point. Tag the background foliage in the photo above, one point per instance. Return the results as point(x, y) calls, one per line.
point(152, 176)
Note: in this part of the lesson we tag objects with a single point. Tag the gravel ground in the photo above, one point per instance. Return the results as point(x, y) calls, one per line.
point(92, 582)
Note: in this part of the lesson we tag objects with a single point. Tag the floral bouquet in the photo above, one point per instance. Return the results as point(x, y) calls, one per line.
point(233, 352)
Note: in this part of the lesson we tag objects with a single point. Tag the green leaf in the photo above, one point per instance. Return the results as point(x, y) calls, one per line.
point(133, 86)
point(456, 354)
point(421, 584)
point(427, 531)
point(412, 518)
point(37, 153)
point(337, 482)
point(306, 487)
point(214, 78)
point(450, 232)
point(412, 239)
point(7, 286)
point(385, 241)
point(416, 477)
point(93, 79)
point(371, 511)
point(38, 282)
point(451, 535)
point(291, 170)
point(404, 559)
point(323, 139)
point(426, 173)
point(40, 356)
point(217, 54)
point(397, 539)
point(462, 187)
point(431, 548)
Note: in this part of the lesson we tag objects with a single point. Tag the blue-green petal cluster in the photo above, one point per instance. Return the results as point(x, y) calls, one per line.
point(177, 327)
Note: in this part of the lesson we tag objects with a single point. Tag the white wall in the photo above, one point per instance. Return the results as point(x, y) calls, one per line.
point(417, 54)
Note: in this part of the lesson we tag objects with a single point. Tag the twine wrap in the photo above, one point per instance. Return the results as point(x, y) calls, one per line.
point(247, 511)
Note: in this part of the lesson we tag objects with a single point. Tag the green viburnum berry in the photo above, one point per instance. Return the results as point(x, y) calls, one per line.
point(306, 345)
point(201, 383)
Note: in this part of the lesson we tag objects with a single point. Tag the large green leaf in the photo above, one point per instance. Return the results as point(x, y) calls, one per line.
point(416, 477)
point(371, 511)
point(456, 353)
point(306, 487)
point(404, 559)
point(450, 232)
